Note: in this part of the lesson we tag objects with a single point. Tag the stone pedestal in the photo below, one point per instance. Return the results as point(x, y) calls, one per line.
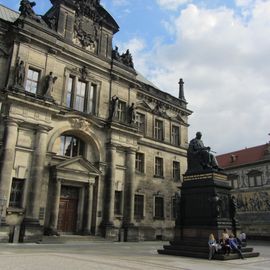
point(205, 207)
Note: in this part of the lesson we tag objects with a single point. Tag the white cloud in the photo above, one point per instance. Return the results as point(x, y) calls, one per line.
point(224, 62)
point(171, 4)
point(243, 3)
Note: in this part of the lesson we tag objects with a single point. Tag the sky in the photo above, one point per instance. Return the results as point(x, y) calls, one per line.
point(221, 48)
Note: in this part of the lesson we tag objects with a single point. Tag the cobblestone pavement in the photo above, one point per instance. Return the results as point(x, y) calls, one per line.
point(115, 255)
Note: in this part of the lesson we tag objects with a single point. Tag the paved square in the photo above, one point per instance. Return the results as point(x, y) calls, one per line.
point(115, 255)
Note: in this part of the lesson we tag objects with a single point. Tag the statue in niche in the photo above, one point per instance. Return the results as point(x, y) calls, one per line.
point(116, 54)
point(127, 59)
point(113, 108)
point(50, 81)
point(19, 73)
point(200, 157)
point(131, 114)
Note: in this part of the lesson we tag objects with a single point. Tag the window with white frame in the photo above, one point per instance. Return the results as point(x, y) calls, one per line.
point(32, 80)
point(175, 135)
point(255, 178)
point(158, 167)
point(139, 166)
point(121, 111)
point(140, 121)
point(158, 130)
point(81, 95)
point(71, 146)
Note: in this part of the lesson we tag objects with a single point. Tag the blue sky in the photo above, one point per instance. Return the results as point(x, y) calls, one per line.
point(219, 47)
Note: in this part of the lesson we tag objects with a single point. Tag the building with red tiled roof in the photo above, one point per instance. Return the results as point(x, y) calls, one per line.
point(249, 172)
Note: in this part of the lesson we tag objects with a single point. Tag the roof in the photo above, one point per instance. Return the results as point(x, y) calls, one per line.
point(8, 14)
point(142, 79)
point(244, 156)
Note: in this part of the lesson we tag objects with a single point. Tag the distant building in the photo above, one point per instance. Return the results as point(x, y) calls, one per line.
point(249, 172)
point(88, 145)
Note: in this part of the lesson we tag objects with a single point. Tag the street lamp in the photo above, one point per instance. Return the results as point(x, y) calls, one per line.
point(3, 201)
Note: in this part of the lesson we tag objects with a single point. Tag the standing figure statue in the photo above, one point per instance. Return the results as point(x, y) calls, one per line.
point(50, 81)
point(199, 157)
point(131, 114)
point(19, 73)
point(26, 8)
point(113, 108)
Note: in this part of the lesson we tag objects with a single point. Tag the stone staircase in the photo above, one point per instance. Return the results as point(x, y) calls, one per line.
point(201, 250)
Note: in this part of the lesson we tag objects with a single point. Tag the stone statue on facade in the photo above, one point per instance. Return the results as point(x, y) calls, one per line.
point(116, 54)
point(199, 157)
point(19, 73)
point(50, 81)
point(127, 59)
point(113, 108)
point(131, 114)
point(26, 9)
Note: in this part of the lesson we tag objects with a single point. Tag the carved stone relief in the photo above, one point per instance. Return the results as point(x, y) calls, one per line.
point(80, 124)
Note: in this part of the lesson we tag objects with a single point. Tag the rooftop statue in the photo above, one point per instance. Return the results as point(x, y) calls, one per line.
point(26, 9)
point(199, 157)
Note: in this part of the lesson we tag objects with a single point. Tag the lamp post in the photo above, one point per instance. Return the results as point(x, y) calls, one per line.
point(3, 201)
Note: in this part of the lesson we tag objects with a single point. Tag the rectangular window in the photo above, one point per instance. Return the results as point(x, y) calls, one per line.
point(80, 96)
point(159, 208)
point(140, 120)
point(259, 180)
point(159, 130)
point(121, 111)
point(139, 162)
point(175, 135)
point(70, 91)
point(32, 81)
point(16, 193)
point(176, 170)
point(92, 99)
point(138, 206)
point(118, 203)
point(159, 167)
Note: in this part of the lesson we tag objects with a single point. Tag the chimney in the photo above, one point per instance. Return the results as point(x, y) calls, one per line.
point(181, 90)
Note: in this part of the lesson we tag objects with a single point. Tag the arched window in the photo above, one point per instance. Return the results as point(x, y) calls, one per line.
point(71, 146)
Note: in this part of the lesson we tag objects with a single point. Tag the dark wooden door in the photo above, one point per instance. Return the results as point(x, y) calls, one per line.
point(67, 215)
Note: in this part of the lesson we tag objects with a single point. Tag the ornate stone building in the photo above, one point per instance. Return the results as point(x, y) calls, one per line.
point(88, 146)
point(249, 172)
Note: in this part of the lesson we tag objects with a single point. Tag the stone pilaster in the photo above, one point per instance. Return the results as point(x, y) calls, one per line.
point(111, 183)
point(89, 206)
point(130, 178)
point(7, 159)
point(55, 207)
point(37, 173)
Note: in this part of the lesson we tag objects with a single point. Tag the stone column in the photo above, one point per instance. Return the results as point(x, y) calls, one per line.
point(55, 206)
point(37, 173)
point(8, 154)
point(111, 184)
point(130, 178)
point(89, 206)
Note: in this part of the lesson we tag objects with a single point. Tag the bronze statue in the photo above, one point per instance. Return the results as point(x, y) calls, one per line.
point(200, 157)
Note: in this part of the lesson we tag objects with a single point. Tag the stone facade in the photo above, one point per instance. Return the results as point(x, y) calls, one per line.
point(88, 146)
point(249, 173)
